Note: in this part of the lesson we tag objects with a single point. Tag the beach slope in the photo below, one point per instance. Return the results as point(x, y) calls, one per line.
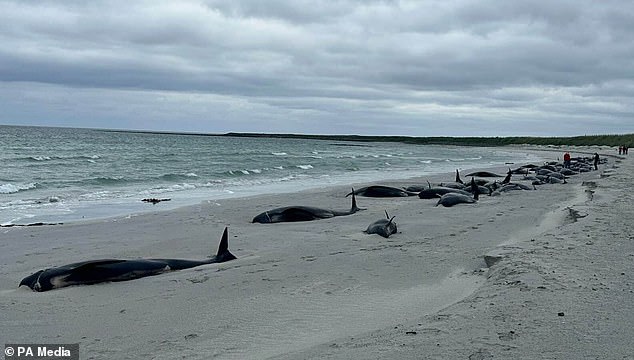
point(561, 285)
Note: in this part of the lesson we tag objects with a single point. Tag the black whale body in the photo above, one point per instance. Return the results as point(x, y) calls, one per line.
point(106, 270)
point(384, 227)
point(381, 191)
point(302, 213)
point(435, 192)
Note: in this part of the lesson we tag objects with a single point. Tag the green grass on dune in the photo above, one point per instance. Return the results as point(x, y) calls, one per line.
point(586, 140)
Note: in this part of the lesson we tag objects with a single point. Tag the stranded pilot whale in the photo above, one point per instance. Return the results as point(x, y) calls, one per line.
point(382, 191)
point(97, 271)
point(451, 199)
point(302, 213)
point(384, 227)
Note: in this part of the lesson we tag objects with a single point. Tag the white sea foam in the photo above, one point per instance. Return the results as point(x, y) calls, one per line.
point(237, 172)
point(464, 159)
point(195, 168)
point(97, 195)
point(10, 188)
point(180, 187)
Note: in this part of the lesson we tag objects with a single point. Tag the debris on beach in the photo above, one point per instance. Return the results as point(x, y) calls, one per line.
point(154, 201)
point(32, 224)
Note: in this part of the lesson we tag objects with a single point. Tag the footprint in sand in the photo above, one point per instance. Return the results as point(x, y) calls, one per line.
point(481, 354)
point(198, 280)
point(511, 335)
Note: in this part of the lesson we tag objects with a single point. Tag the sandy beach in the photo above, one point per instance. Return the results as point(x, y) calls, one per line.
point(561, 287)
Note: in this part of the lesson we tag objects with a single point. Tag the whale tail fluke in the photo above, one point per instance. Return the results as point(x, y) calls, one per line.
point(390, 219)
point(223, 253)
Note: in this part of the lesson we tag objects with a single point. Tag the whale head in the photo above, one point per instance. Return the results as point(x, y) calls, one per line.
point(36, 281)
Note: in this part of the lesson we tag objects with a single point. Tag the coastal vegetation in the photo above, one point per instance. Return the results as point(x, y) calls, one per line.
point(585, 140)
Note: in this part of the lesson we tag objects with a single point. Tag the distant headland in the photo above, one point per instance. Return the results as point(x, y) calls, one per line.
point(583, 140)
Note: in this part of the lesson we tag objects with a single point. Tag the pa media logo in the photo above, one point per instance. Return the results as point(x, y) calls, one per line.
point(42, 351)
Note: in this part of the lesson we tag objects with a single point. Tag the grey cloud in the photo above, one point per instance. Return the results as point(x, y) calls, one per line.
point(300, 61)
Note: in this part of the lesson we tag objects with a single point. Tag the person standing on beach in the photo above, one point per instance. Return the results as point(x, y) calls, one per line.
point(596, 161)
point(567, 160)
point(621, 148)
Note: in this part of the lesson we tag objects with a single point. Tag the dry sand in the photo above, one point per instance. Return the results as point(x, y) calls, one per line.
point(562, 288)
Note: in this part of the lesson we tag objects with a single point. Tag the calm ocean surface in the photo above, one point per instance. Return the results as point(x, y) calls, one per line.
point(64, 174)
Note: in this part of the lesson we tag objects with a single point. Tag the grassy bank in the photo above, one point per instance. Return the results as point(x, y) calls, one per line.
point(589, 140)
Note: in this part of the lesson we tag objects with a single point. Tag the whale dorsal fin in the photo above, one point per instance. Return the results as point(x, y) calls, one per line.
point(223, 248)
point(354, 207)
point(507, 179)
point(475, 189)
point(458, 180)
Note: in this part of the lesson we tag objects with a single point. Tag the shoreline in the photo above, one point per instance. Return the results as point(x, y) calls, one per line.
point(297, 290)
point(117, 208)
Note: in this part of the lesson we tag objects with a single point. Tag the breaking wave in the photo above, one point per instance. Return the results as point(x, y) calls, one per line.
point(10, 188)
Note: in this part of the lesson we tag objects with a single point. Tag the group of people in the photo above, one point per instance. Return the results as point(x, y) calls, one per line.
point(595, 159)
point(623, 150)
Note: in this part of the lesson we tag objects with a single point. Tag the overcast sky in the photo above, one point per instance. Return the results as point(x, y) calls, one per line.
point(371, 67)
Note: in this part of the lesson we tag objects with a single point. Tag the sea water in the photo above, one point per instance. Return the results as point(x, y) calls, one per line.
point(67, 174)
